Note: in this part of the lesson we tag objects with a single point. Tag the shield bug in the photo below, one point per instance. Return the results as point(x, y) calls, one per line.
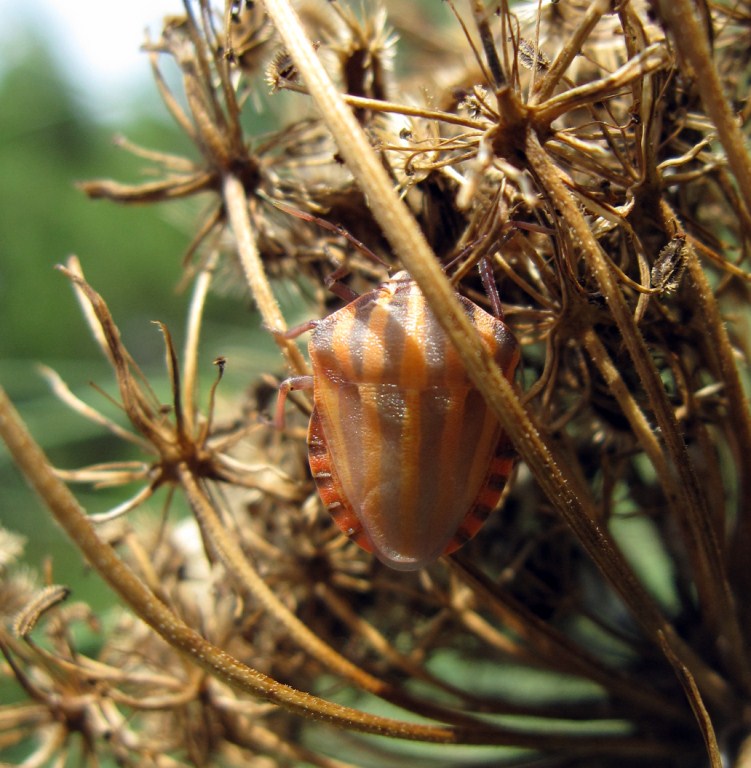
point(406, 455)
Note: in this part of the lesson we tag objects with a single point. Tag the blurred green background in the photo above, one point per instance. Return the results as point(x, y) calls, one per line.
point(50, 138)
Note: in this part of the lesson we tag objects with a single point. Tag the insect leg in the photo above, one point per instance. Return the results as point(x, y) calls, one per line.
point(491, 289)
point(338, 288)
point(288, 385)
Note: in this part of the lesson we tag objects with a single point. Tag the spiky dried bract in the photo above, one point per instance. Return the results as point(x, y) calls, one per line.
point(573, 151)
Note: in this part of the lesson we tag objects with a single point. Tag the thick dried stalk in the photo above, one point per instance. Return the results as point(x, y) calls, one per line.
point(693, 46)
point(559, 484)
point(738, 404)
point(711, 578)
point(236, 201)
point(34, 464)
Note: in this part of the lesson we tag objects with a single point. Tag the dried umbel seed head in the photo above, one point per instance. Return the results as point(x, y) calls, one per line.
point(281, 71)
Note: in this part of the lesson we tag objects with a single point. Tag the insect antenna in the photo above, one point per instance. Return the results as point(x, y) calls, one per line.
point(337, 229)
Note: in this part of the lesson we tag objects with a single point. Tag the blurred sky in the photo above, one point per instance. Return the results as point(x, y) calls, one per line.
point(96, 42)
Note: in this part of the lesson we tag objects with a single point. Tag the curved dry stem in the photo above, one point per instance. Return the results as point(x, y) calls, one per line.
point(73, 265)
point(172, 104)
point(691, 40)
point(379, 643)
point(134, 400)
point(738, 404)
point(548, 643)
point(636, 418)
point(172, 188)
point(390, 107)
point(63, 392)
point(192, 336)
point(106, 474)
point(719, 340)
point(236, 202)
point(264, 741)
point(573, 48)
point(34, 464)
point(560, 485)
point(127, 506)
point(697, 705)
point(649, 60)
point(248, 579)
point(173, 374)
point(711, 579)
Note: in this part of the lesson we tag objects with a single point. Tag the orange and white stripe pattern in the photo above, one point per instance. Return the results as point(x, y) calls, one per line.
point(406, 455)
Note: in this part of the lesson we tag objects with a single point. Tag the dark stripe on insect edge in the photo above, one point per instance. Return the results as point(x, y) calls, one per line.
point(501, 465)
point(346, 521)
point(479, 513)
point(339, 512)
point(324, 483)
point(317, 448)
point(466, 532)
point(461, 537)
point(361, 539)
point(496, 482)
point(505, 449)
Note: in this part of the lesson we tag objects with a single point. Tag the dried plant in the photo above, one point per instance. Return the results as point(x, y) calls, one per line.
point(592, 157)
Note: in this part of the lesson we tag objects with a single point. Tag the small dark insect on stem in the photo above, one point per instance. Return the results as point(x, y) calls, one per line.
point(670, 265)
point(531, 57)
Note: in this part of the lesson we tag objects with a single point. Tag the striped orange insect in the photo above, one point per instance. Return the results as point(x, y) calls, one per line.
point(407, 457)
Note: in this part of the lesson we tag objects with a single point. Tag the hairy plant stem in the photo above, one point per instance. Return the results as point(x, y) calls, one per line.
point(32, 461)
point(236, 202)
point(691, 40)
point(249, 581)
point(697, 705)
point(560, 485)
point(711, 577)
point(738, 404)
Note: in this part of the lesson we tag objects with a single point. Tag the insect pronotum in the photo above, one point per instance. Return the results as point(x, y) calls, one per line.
point(407, 457)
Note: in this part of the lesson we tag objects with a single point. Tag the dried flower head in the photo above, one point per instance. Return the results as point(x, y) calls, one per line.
point(571, 152)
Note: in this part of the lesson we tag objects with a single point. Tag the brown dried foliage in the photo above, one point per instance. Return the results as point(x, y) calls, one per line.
point(594, 156)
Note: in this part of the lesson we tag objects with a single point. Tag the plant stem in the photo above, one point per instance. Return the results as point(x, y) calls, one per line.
point(711, 577)
point(32, 461)
point(693, 46)
point(232, 557)
point(236, 201)
point(559, 484)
